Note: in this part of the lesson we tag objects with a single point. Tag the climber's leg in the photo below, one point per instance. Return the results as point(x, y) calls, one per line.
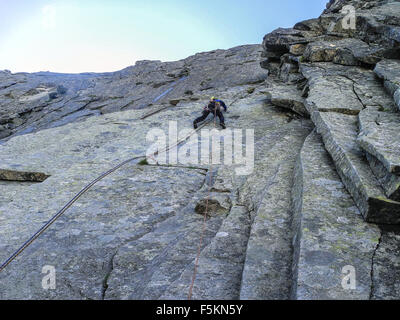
point(202, 118)
point(221, 119)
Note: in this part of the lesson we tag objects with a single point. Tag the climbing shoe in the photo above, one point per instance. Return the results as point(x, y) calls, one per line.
point(195, 125)
point(223, 125)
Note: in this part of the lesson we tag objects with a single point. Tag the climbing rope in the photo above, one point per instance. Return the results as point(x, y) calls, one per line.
point(61, 212)
point(196, 265)
point(82, 192)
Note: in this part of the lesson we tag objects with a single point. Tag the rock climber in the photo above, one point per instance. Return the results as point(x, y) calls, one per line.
point(214, 107)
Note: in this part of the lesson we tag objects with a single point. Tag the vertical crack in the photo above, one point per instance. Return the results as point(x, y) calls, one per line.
point(109, 270)
point(372, 289)
point(357, 96)
point(354, 90)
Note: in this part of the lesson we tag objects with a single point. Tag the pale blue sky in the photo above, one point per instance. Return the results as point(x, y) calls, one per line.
point(98, 35)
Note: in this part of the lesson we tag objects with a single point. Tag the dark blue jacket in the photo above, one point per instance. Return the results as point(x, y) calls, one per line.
point(223, 105)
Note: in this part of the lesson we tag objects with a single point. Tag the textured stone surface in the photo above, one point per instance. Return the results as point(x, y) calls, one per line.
point(380, 136)
point(339, 133)
point(289, 69)
point(386, 267)
point(329, 231)
point(81, 245)
point(281, 39)
point(287, 96)
point(338, 88)
point(389, 72)
point(333, 93)
point(389, 182)
point(377, 21)
point(9, 175)
point(267, 273)
point(353, 88)
point(26, 105)
point(348, 52)
point(343, 89)
point(297, 49)
point(282, 231)
point(377, 24)
point(220, 269)
point(135, 235)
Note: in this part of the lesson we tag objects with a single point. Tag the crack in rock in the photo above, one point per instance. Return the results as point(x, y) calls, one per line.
point(371, 294)
point(110, 269)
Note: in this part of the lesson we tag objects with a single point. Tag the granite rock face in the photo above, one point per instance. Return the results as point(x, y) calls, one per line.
point(339, 133)
point(378, 136)
point(315, 215)
point(30, 102)
point(389, 72)
point(330, 234)
point(348, 71)
point(135, 235)
point(345, 67)
point(288, 97)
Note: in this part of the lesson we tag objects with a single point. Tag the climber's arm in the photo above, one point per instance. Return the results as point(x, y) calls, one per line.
point(223, 105)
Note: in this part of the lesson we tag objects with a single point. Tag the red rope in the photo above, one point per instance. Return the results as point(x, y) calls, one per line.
point(196, 265)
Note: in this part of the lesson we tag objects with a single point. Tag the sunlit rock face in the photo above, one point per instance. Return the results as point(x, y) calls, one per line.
point(345, 69)
point(31, 102)
point(313, 213)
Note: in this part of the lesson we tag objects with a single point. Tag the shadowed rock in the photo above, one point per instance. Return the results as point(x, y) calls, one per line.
point(389, 182)
point(267, 270)
point(389, 72)
point(385, 279)
point(288, 97)
point(339, 133)
point(11, 175)
point(213, 205)
point(380, 136)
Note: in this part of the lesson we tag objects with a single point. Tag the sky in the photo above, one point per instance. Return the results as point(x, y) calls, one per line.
point(73, 36)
